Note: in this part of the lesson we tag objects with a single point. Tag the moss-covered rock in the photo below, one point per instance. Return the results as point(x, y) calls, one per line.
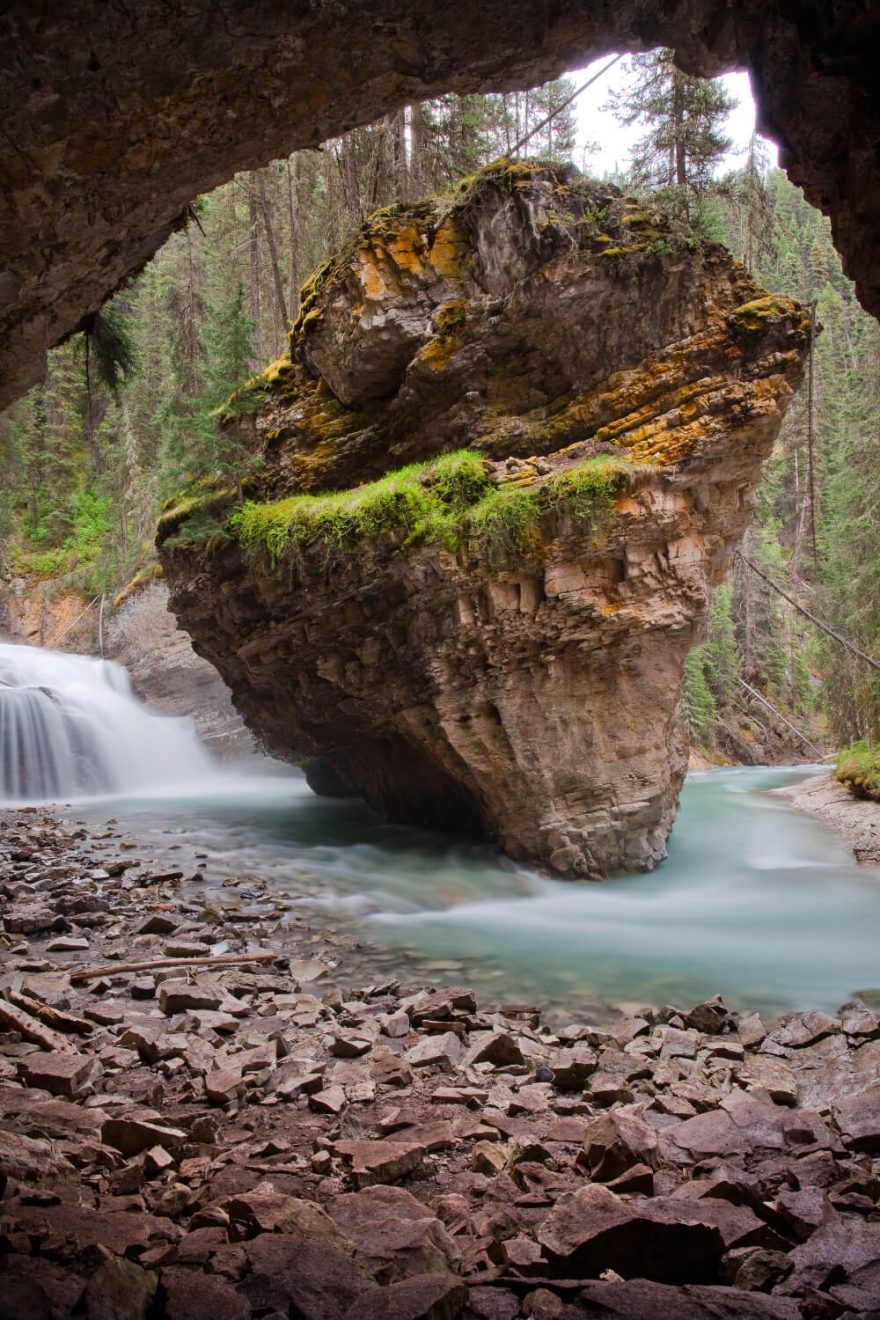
point(508, 456)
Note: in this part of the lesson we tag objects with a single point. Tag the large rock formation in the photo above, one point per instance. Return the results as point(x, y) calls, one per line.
point(116, 115)
point(495, 637)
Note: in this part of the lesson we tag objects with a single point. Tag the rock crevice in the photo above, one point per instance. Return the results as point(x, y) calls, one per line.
point(494, 635)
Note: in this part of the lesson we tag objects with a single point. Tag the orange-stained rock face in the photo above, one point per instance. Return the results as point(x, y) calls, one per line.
point(526, 687)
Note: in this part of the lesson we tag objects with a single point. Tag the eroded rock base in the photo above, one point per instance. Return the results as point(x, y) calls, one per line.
point(260, 1139)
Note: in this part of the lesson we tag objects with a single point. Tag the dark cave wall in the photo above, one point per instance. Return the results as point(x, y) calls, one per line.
point(115, 115)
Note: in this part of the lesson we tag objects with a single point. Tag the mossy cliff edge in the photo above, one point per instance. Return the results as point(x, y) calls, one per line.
point(511, 451)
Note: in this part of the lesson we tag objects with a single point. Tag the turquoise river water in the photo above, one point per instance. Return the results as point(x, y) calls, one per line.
point(757, 901)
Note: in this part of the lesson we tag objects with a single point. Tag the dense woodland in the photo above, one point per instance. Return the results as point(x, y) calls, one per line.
point(127, 412)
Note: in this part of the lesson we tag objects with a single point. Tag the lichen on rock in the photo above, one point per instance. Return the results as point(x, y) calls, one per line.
point(512, 450)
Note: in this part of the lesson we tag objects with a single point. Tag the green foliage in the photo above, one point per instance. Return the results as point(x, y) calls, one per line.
point(858, 766)
point(109, 343)
point(501, 523)
point(684, 139)
point(699, 707)
point(418, 502)
point(449, 500)
point(712, 672)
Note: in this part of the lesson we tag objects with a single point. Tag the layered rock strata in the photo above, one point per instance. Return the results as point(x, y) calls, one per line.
point(494, 636)
point(115, 116)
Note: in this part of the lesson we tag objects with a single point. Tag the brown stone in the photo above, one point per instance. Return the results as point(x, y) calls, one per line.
point(223, 1086)
point(194, 1295)
point(642, 1300)
point(858, 1120)
point(187, 996)
point(306, 1277)
point(426, 1297)
point(573, 1069)
point(484, 642)
point(264, 1210)
point(617, 1142)
point(29, 919)
point(806, 1029)
point(763, 1073)
point(443, 1051)
point(388, 1068)
point(499, 1048)
point(670, 1241)
point(119, 1290)
point(843, 1256)
point(59, 1074)
point(395, 1235)
point(442, 1004)
point(380, 1161)
point(133, 1135)
point(330, 1100)
point(34, 1163)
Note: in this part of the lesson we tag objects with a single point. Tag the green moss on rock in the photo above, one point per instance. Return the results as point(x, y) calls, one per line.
point(448, 501)
point(753, 318)
point(858, 767)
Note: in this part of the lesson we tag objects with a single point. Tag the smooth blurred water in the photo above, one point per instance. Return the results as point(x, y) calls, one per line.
point(756, 901)
point(70, 726)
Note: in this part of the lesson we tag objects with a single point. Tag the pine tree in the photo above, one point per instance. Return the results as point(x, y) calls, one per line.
point(685, 140)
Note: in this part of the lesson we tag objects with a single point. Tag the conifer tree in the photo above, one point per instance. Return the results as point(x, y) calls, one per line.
point(685, 139)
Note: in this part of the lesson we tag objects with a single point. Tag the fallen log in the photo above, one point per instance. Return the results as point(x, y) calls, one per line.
point(34, 1030)
point(77, 975)
point(53, 1017)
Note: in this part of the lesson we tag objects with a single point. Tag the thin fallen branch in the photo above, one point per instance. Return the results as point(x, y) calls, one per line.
point(115, 969)
point(53, 1017)
point(34, 1030)
point(779, 715)
point(824, 627)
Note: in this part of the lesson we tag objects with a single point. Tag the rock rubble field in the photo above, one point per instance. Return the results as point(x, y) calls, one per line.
point(201, 1119)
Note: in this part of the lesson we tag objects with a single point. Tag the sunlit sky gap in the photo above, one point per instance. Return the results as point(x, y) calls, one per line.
point(604, 145)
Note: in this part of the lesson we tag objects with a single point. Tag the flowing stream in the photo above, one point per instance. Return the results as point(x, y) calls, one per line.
point(756, 901)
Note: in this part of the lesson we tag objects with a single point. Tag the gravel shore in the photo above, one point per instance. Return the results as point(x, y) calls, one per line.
point(857, 820)
point(184, 1135)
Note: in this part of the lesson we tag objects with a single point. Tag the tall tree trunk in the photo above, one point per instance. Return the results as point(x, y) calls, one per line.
point(293, 276)
point(254, 243)
point(748, 644)
point(420, 182)
point(681, 175)
point(273, 251)
point(401, 181)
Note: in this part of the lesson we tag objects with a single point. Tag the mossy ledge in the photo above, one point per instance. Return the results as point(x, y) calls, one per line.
point(495, 482)
point(449, 501)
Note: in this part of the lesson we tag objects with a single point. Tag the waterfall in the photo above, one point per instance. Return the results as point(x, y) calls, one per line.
point(70, 727)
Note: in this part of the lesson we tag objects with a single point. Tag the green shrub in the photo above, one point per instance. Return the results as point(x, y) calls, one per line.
point(858, 766)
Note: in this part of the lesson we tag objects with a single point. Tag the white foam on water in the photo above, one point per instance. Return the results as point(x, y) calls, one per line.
point(71, 728)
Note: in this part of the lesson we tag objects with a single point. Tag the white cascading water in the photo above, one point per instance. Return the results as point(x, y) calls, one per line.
point(70, 727)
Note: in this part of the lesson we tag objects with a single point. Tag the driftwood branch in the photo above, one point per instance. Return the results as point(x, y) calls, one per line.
point(115, 969)
point(53, 1017)
point(34, 1030)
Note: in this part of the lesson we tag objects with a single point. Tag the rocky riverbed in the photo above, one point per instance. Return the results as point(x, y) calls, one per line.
point(200, 1137)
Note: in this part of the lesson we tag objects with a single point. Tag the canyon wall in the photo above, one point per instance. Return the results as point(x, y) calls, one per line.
point(540, 414)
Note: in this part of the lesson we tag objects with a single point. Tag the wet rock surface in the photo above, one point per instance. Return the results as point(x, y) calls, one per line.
point(210, 1150)
point(499, 645)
